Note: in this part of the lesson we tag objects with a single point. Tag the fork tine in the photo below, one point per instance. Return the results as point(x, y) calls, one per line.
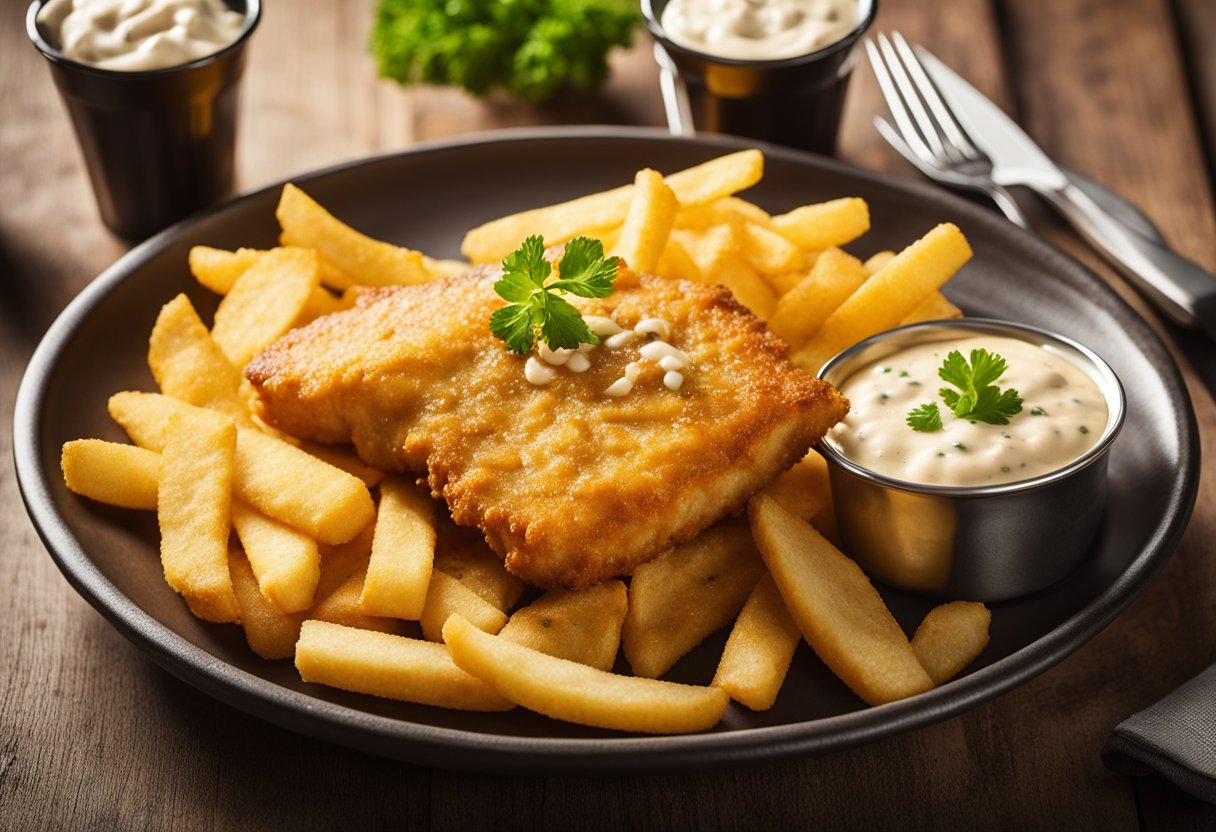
point(896, 140)
point(908, 92)
point(955, 135)
point(895, 103)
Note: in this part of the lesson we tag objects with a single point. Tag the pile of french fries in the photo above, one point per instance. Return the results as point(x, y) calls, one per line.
point(788, 269)
point(362, 577)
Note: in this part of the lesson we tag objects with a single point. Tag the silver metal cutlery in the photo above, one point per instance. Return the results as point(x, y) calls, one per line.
point(956, 136)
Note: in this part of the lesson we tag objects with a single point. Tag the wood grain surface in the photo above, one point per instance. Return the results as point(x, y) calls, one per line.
point(94, 736)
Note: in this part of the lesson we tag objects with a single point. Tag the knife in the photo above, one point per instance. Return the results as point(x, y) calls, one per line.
point(1182, 290)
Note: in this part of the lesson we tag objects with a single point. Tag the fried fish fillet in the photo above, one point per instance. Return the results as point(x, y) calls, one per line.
point(570, 485)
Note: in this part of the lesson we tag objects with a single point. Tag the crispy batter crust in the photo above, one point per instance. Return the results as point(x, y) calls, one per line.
point(569, 485)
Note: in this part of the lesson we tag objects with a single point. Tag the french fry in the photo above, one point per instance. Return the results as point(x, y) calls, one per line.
point(284, 482)
point(192, 507)
point(768, 251)
point(340, 561)
point(111, 473)
point(403, 552)
point(803, 490)
point(747, 210)
point(698, 218)
point(826, 224)
point(189, 365)
point(802, 311)
point(577, 693)
point(359, 259)
point(878, 260)
point(346, 459)
point(271, 633)
point(950, 638)
point(647, 223)
point(320, 302)
point(676, 263)
point(447, 596)
point(709, 246)
point(608, 237)
point(728, 209)
point(717, 178)
point(264, 302)
point(389, 666)
point(342, 607)
point(716, 256)
point(784, 282)
point(218, 269)
point(491, 242)
point(145, 416)
point(479, 568)
point(745, 284)
point(759, 650)
point(890, 295)
point(583, 627)
point(686, 593)
point(285, 561)
point(933, 308)
point(274, 477)
point(836, 607)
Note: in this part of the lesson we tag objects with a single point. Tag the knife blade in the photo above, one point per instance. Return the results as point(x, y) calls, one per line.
point(1182, 290)
point(1016, 158)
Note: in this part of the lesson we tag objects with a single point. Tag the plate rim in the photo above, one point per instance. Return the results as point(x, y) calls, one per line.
point(477, 751)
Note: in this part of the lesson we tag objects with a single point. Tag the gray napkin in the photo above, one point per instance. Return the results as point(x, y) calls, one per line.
point(1175, 738)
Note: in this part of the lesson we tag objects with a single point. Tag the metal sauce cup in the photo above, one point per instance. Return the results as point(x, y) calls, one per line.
point(980, 543)
point(158, 144)
point(792, 101)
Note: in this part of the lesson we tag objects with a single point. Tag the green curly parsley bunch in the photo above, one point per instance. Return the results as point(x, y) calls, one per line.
point(528, 47)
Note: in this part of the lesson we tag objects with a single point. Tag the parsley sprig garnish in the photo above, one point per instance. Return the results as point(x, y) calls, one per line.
point(536, 308)
point(975, 395)
point(926, 418)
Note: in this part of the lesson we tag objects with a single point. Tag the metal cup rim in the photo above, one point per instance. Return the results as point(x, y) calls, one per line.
point(1102, 374)
point(253, 15)
point(656, 31)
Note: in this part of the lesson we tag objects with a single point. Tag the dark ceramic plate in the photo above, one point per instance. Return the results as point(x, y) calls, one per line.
point(427, 198)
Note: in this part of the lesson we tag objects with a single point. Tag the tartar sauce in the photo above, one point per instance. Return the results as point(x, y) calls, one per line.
point(758, 29)
point(137, 35)
point(1063, 416)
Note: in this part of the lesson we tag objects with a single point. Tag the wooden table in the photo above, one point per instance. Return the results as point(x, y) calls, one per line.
point(93, 735)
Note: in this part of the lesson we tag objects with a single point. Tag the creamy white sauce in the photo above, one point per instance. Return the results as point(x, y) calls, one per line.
point(1063, 416)
point(758, 29)
point(137, 35)
point(538, 373)
point(542, 368)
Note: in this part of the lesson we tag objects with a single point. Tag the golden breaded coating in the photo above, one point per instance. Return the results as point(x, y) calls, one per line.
point(570, 485)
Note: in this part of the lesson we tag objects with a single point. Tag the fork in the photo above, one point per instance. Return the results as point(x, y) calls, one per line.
point(928, 134)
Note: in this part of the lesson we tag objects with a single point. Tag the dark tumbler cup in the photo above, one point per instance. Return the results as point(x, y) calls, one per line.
point(791, 101)
point(158, 144)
